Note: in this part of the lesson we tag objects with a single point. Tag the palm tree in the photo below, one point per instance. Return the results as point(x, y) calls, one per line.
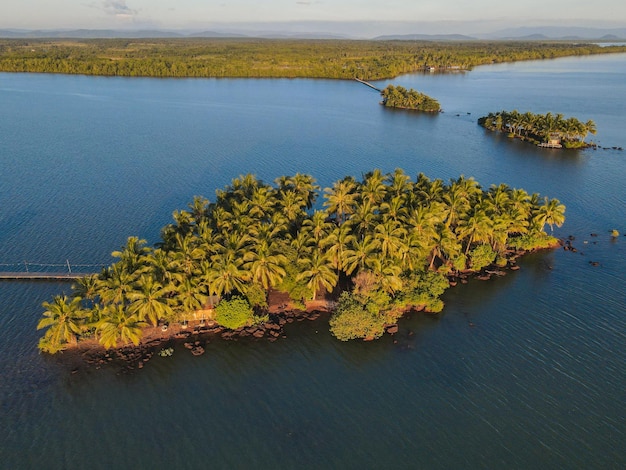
point(364, 217)
point(87, 287)
point(551, 212)
point(227, 274)
point(478, 227)
point(118, 325)
point(115, 284)
point(64, 319)
point(266, 267)
point(318, 272)
point(399, 182)
point(361, 254)
point(131, 256)
point(340, 199)
point(390, 236)
point(149, 301)
point(318, 226)
point(186, 254)
point(191, 295)
point(337, 242)
point(373, 188)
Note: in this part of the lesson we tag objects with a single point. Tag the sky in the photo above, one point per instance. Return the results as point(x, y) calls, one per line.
point(365, 17)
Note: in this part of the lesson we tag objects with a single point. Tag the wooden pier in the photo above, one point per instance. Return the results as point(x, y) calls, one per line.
point(41, 276)
point(368, 84)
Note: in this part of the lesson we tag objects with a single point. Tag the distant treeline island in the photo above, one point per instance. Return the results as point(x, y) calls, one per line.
point(548, 130)
point(340, 59)
point(378, 248)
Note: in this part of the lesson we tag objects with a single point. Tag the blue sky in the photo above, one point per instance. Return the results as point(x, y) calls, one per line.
point(444, 15)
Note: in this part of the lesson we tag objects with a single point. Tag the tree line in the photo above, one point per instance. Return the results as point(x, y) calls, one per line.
point(268, 58)
point(540, 128)
point(387, 242)
point(400, 97)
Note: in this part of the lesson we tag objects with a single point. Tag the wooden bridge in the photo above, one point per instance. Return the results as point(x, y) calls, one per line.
point(45, 272)
point(35, 276)
point(368, 84)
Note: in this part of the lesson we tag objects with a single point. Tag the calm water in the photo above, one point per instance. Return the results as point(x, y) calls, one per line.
point(538, 382)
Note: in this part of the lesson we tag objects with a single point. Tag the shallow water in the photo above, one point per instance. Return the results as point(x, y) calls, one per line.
point(524, 371)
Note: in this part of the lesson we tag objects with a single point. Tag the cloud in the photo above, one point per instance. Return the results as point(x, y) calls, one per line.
point(118, 8)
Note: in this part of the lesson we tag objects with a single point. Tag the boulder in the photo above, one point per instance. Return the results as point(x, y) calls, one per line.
point(392, 329)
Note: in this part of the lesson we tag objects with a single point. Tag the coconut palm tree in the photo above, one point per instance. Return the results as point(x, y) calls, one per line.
point(266, 267)
point(477, 228)
point(64, 318)
point(341, 199)
point(391, 238)
point(149, 301)
point(361, 254)
point(317, 272)
point(115, 284)
point(373, 189)
point(132, 255)
point(337, 244)
point(118, 325)
point(551, 212)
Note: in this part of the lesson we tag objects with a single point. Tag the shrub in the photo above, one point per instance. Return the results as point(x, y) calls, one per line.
point(481, 256)
point(352, 321)
point(256, 295)
point(533, 241)
point(234, 313)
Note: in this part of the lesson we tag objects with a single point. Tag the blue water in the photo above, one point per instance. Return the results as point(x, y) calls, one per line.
point(538, 381)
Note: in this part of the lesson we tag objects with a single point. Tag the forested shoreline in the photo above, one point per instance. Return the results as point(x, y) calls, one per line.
point(269, 58)
point(379, 246)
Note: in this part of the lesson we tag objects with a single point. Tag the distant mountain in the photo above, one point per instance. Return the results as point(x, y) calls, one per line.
point(556, 32)
point(424, 37)
point(128, 34)
point(325, 30)
point(88, 34)
point(215, 34)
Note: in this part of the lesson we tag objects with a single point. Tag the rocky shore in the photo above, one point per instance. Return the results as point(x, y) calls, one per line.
point(194, 335)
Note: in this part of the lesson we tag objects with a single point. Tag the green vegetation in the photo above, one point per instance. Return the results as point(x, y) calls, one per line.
point(343, 59)
point(234, 313)
point(542, 129)
point(400, 97)
point(388, 242)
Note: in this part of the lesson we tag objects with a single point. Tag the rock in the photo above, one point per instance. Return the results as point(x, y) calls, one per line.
point(392, 329)
point(258, 334)
point(197, 351)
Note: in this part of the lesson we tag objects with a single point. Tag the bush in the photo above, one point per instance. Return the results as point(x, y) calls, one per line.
point(532, 241)
point(234, 313)
point(256, 295)
point(481, 256)
point(352, 321)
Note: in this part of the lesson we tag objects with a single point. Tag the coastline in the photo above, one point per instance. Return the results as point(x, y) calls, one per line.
point(89, 353)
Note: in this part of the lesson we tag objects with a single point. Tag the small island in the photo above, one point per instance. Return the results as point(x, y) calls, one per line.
point(545, 130)
point(263, 255)
point(400, 97)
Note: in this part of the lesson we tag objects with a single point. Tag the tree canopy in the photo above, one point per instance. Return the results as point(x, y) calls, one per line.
point(400, 97)
point(270, 58)
point(540, 128)
point(387, 241)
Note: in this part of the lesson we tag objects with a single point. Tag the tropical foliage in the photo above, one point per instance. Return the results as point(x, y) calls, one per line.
point(400, 97)
point(205, 57)
point(540, 128)
point(388, 242)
